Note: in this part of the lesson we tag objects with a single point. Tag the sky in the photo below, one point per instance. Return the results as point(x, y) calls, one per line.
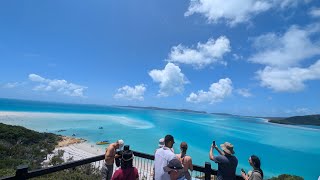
point(245, 57)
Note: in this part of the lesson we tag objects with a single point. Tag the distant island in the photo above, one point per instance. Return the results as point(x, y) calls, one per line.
point(164, 109)
point(224, 114)
point(298, 120)
point(295, 120)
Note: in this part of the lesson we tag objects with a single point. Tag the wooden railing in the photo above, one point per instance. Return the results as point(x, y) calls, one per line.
point(22, 172)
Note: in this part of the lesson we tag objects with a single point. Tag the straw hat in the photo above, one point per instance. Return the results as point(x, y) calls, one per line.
point(227, 147)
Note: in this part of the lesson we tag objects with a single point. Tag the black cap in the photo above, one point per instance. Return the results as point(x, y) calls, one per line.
point(168, 138)
point(174, 164)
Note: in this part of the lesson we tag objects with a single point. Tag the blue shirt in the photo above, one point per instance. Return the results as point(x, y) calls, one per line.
point(227, 166)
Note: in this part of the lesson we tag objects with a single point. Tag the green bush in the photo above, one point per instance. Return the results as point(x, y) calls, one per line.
point(19, 145)
point(287, 177)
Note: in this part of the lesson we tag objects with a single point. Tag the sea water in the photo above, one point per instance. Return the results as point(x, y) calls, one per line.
point(282, 148)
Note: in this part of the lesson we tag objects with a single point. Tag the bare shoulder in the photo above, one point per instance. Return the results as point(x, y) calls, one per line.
point(188, 157)
point(111, 148)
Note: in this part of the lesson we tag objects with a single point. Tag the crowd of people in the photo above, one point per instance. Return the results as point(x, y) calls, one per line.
point(170, 166)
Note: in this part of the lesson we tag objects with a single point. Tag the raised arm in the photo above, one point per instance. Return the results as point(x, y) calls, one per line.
point(220, 152)
point(211, 156)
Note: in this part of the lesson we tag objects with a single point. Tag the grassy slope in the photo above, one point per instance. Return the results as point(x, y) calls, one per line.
point(299, 120)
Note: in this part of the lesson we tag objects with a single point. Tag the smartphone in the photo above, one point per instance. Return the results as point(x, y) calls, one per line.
point(242, 170)
point(214, 143)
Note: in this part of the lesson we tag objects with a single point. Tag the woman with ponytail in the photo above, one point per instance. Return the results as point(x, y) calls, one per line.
point(257, 173)
point(185, 160)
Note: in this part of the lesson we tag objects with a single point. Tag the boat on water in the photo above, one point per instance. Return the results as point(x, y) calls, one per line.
point(102, 142)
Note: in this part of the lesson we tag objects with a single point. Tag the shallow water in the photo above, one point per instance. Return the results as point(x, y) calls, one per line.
point(283, 149)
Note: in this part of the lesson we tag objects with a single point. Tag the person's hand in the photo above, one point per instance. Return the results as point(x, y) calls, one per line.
point(213, 146)
point(243, 175)
point(117, 156)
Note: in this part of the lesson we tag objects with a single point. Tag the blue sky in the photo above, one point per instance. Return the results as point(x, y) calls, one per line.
point(244, 57)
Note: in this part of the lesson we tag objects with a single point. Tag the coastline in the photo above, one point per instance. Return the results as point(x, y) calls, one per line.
point(74, 149)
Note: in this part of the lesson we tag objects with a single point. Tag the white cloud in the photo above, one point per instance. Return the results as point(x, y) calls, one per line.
point(299, 111)
point(315, 12)
point(235, 11)
point(171, 79)
point(283, 56)
point(237, 57)
point(289, 79)
point(217, 92)
point(303, 110)
point(60, 86)
point(244, 92)
point(286, 50)
point(12, 85)
point(131, 93)
point(204, 54)
point(36, 78)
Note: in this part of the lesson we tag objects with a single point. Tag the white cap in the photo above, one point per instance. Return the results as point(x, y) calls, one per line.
point(161, 142)
point(121, 143)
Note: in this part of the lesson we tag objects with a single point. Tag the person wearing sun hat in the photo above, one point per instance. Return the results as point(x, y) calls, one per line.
point(127, 171)
point(227, 162)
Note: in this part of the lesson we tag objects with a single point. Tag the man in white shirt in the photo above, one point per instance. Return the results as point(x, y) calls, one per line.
point(162, 158)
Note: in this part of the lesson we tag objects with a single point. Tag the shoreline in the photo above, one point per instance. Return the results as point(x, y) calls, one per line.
point(74, 149)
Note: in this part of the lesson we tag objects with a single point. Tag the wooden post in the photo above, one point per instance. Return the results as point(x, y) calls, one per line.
point(22, 172)
point(207, 171)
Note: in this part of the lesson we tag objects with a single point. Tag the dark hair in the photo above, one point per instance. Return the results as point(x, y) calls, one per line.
point(167, 139)
point(127, 159)
point(184, 147)
point(256, 164)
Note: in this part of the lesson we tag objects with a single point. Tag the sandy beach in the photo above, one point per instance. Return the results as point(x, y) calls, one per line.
point(77, 149)
point(74, 149)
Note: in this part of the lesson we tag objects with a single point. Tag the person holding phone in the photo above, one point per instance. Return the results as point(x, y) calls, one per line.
point(227, 162)
point(257, 173)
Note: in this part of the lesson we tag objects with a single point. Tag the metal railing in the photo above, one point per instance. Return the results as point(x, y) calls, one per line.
point(143, 162)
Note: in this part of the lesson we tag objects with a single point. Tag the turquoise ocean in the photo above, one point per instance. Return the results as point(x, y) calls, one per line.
point(282, 148)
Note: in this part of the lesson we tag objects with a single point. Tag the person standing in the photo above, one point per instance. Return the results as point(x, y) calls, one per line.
point(227, 162)
point(110, 155)
point(257, 173)
point(162, 157)
point(185, 160)
point(127, 171)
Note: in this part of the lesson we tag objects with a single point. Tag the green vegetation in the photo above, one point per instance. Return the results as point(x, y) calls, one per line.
point(19, 145)
point(287, 177)
point(57, 159)
point(299, 120)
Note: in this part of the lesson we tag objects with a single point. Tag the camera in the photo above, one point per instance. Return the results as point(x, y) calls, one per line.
point(120, 152)
point(214, 143)
point(118, 159)
point(242, 170)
